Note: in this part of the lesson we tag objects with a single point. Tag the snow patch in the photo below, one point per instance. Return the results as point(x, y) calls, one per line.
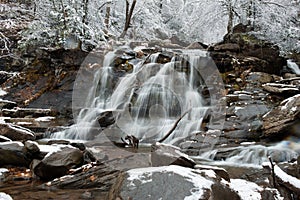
point(5, 138)
point(286, 178)
point(3, 170)
point(50, 149)
point(2, 92)
point(246, 190)
point(44, 119)
point(4, 196)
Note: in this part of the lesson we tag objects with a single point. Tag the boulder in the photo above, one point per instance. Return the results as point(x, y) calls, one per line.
point(176, 182)
point(57, 164)
point(92, 175)
point(163, 154)
point(13, 153)
point(32, 147)
point(15, 132)
point(282, 118)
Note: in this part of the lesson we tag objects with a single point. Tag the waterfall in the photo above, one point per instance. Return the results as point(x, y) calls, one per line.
point(146, 101)
point(293, 66)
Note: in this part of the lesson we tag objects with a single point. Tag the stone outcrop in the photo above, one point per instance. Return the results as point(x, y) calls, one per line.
point(57, 164)
point(281, 119)
point(243, 50)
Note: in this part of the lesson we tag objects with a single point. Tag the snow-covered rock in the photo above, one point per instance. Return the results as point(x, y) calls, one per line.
point(176, 182)
point(15, 132)
point(168, 182)
point(58, 162)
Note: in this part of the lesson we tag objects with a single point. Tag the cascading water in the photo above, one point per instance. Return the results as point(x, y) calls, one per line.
point(293, 66)
point(254, 155)
point(146, 102)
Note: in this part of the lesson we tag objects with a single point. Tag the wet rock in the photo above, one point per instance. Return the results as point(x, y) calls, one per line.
point(166, 182)
point(98, 176)
point(261, 77)
point(219, 171)
point(25, 112)
point(281, 89)
point(162, 155)
point(32, 147)
point(13, 153)
point(57, 164)
point(106, 119)
point(281, 118)
point(15, 132)
point(250, 111)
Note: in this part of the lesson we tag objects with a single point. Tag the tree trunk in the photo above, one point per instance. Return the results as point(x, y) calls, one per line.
point(128, 17)
point(107, 16)
point(230, 18)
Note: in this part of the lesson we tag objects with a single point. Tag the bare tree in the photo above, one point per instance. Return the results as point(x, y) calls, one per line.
point(129, 12)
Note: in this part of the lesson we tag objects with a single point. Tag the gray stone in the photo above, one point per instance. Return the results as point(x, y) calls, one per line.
point(162, 155)
point(57, 164)
point(168, 183)
point(13, 153)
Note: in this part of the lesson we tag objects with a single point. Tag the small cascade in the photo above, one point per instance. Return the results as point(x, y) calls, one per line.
point(293, 66)
point(251, 155)
point(146, 102)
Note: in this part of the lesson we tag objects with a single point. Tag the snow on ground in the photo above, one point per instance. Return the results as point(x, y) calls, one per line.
point(286, 178)
point(4, 196)
point(144, 175)
point(50, 149)
point(3, 170)
point(246, 190)
point(44, 119)
point(2, 92)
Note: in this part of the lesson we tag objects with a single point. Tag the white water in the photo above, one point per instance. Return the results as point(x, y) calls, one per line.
point(253, 155)
point(293, 66)
point(146, 102)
